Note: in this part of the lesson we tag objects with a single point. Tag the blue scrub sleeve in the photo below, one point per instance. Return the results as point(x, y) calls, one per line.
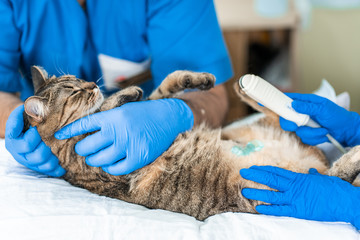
point(357, 222)
point(10, 78)
point(186, 35)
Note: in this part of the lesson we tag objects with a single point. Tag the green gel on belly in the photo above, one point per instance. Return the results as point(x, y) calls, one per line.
point(252, 146)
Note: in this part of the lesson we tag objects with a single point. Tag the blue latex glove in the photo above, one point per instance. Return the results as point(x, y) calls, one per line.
point(343, 125)
point(28, 148)
point(131, 136)
point(308, 196)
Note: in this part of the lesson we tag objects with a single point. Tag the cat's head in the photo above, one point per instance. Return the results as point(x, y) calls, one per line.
point(59, 101)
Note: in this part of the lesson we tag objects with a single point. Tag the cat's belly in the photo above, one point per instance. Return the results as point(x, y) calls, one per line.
point(200, 169)
point(259, 145)
point(277, 148)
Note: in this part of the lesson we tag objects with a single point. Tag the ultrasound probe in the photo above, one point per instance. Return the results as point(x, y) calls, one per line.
point(272, 98)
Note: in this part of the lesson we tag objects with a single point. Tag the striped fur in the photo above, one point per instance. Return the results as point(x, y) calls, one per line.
point(198, 175)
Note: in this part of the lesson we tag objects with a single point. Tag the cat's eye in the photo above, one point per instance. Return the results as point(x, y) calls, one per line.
point(75, 92)
point(68, 87)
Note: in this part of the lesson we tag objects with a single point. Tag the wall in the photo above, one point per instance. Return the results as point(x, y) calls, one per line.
point(330, 49)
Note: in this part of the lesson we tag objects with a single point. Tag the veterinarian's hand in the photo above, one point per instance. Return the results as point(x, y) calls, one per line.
point(343, 125)
point(308, 196)
point(131, 136)
point(28, 148)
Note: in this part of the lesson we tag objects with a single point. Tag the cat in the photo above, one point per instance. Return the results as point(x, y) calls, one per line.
point(199, 174)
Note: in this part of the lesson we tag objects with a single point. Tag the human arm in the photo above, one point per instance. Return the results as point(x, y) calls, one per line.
point(8, 103)
point(9, 63)
point(208, 106)
point(308, 196)
point(197, 44)
point(27, 148)
point(343, 125)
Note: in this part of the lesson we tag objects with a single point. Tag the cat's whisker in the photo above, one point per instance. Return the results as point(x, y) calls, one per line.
point(99, 79)
point(57, 67)
point(62, 72)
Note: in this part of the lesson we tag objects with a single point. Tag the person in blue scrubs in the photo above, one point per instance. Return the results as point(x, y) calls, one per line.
point(67, 36)
point(311, 196)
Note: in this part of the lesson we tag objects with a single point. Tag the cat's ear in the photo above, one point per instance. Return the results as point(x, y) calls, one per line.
point(36, 108)
point(39, 76)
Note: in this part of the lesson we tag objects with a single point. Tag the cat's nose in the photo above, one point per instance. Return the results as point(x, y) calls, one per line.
point(90, 85)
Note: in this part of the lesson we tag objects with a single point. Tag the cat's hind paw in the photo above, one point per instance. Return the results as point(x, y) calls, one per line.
point(181, 80)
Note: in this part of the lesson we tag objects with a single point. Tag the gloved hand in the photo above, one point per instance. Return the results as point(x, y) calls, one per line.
point(28, 148)
point(131, 136)
point(308, 196)
point(343, 125)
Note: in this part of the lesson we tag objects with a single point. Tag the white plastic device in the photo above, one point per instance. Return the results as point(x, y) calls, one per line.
point(272, 98)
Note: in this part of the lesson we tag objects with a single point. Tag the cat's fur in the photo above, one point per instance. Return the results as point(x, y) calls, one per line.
point(198, 175)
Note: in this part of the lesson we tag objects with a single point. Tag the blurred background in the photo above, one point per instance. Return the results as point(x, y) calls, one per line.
point(293, 44)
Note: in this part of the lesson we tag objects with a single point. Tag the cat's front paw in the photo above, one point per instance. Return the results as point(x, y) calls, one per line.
point(129, 94)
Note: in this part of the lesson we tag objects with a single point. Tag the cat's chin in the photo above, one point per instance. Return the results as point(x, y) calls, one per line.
point(96, 105)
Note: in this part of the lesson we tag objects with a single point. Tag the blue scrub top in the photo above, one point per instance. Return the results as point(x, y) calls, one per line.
point(63, 38)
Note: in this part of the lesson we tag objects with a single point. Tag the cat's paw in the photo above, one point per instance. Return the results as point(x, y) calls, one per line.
point(181, 80)
point(202, 81)
point(129, 94)
point(348, 166)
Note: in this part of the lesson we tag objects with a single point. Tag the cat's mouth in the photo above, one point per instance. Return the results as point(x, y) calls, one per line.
point(95, 101)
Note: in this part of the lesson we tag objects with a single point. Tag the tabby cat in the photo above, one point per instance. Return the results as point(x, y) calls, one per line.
point(199, 174)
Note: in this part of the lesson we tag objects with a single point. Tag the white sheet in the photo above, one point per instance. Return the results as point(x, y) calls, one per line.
point(33, 206)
